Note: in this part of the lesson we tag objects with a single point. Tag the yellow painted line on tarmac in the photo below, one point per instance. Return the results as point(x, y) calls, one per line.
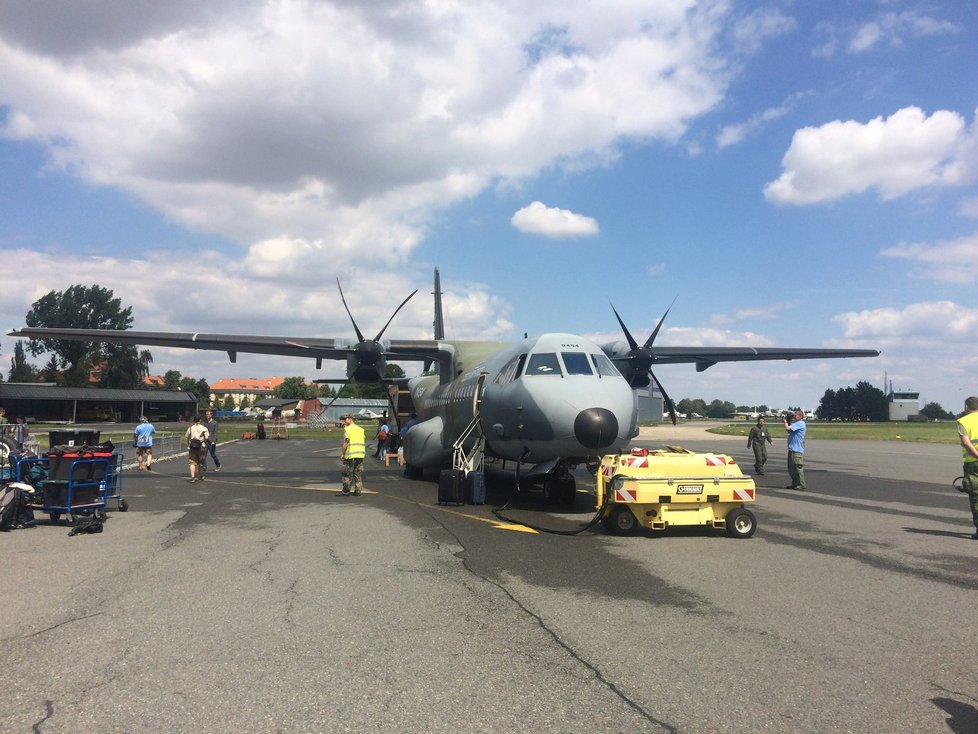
point(336, 488)
point(442, 508)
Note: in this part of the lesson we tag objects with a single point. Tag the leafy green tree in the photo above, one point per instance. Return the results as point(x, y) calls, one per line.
point(20, 369)
point(935, 412)
point(51, 373)
point(77, 307)
point(123, 367)
point(870, 403)
point(228, 403)
point(171, 380)
point(351, 390)
point(245, 403)
point(293, 388)
point(862, 403)
point(199, 389)
point(720, 409)
point(326, 390)
point(695, 405)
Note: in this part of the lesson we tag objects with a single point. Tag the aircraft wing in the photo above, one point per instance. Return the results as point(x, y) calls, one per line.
point(319, 349)
point(705, 357)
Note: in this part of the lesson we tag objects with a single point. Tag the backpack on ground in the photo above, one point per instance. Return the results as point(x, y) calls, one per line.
point(87, 524)
point(15, 506)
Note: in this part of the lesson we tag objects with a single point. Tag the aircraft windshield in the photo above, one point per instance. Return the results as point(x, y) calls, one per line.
point(543, 363)
point(511, 371)
point(576, 363)
point(605, 366)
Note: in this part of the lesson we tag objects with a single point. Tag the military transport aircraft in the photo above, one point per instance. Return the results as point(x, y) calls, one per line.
point(550, 402)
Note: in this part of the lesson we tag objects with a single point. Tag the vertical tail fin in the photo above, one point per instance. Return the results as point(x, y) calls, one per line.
point(439, 323)
point(439, 315)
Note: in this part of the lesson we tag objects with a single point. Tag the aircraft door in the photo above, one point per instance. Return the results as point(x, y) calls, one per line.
point(477, 393)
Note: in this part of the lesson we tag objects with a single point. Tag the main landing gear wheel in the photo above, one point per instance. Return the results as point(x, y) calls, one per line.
point(620, 521)
point(413, 472)
point(741, 523)
point(560, 489)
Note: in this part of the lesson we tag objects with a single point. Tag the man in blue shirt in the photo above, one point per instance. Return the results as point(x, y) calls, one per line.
point(796, 450)
point(143, 439)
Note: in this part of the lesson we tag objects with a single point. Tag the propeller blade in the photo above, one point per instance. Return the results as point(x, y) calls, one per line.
point(343, 298)
point(381, 332)
point(655, 332)
point(632, 344)
point(665, 398)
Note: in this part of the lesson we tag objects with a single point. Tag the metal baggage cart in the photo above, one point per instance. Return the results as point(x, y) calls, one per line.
point(81, 485)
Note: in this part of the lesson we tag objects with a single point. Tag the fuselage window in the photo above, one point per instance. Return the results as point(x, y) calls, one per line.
point(576, 363)
point(605, 366)
point(543, 363)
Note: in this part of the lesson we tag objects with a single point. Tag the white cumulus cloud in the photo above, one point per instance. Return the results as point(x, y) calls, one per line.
point(893, 156)
point(954, 261)
point(342, 122)
point(537, 218)
point(894, 28)
point(930, 322)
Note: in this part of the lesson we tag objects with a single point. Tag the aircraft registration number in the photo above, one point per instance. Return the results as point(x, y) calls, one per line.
point(689, 489)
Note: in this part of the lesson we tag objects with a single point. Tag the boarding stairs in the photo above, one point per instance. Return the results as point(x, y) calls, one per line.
point(472, 459)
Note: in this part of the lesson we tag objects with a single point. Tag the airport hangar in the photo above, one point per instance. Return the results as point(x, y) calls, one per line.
point(47, 403)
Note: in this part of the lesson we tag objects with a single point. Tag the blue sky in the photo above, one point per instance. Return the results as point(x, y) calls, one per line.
point(795, 174)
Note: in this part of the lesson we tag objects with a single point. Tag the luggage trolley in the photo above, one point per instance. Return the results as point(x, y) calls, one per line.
point(76, 484)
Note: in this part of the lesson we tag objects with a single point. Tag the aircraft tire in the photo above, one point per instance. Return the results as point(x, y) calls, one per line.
point(7, 447)
point(621, 521)
point(560, 489)
point(413, 472)
point(740, 523)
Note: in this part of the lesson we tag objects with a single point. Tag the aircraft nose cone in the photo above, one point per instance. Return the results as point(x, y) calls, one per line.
point(596, 428)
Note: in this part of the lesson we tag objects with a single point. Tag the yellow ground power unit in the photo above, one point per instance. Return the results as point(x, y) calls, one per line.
point(673, 486)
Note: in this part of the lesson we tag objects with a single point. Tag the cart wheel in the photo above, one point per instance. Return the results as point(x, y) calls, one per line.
point(621, 521)
point(101, 514)
point(55, 516)
point(123, 506)
point(741, 523)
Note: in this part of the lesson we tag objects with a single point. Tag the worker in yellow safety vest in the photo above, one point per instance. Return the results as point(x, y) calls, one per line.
point(968, 432)
point(353, 452)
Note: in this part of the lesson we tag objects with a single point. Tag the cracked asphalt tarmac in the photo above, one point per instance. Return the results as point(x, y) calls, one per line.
point(259, 601)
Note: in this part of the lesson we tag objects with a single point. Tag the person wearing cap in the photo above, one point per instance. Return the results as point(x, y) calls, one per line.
point(142, 439)
point(353, 451)
point(758, 435)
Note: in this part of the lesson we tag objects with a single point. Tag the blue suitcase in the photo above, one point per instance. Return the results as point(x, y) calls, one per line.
point(475, 488)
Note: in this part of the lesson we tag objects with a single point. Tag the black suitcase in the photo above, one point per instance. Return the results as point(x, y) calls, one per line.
point(475, 488)
point(450, 487)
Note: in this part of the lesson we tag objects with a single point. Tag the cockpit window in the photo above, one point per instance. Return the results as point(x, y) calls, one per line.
point(543, 363)
point(576, 363)
point(605, 366)
point(511, 371)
